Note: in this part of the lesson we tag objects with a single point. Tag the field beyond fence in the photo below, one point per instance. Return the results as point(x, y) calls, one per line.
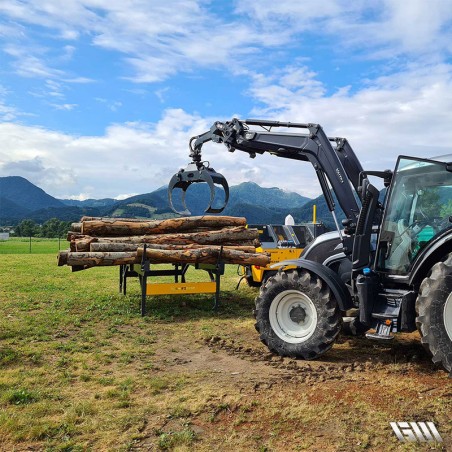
point(32, 245)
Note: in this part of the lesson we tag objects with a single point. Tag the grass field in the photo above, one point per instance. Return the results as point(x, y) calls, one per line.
point(23, 245)
point(80, 369)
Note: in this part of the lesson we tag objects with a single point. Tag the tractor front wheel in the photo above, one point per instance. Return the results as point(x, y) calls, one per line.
point(297, 315)
point(434, 313)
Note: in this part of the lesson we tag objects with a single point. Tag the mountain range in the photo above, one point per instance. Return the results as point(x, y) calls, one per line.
point(20, 199)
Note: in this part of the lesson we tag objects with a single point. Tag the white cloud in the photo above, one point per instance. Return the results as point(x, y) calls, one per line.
point(122, 196)
point(111, 105)
point(7, 113)
point(34, 165)
point(382, 28)
point(159, 39)
point(404, 109)
point(30, 61)
point(160, 93)
point(406, 113)
point(138, 157)
point(64, 107)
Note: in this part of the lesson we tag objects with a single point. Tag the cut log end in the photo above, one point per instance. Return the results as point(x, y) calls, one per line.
point(62, 258)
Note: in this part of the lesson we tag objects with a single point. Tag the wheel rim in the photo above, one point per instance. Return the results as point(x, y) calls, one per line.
point(293, 316)
point(448, 316)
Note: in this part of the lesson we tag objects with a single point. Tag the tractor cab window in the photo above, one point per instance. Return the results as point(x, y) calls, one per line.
point(418, 209)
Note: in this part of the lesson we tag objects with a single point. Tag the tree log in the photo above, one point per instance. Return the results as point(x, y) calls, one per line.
point(76, 227)
point(102, 259)
point(242, 243)
point(112, 247)
point(109, 247)
point(72, 235)
point(83, 244)
point(232, 234)
point(225, 236)
point(62, 258)
point(112, 227)
point(205, 255)
point(136, 220)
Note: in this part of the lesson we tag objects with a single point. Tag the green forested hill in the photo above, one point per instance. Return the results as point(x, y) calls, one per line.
point(20, 199)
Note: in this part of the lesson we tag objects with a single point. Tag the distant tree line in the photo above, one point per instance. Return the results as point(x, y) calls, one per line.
point(52, 228)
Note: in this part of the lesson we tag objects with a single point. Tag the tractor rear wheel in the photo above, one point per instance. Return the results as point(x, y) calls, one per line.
point(434, 313)
point(297, 315)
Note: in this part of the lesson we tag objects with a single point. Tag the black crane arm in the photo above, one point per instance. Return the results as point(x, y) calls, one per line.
point(339, 166)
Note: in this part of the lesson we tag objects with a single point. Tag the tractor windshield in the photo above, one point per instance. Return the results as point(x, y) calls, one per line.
point(418, 209)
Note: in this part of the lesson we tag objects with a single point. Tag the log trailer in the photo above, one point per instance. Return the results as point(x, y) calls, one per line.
point(138, 246)
point(392, 261)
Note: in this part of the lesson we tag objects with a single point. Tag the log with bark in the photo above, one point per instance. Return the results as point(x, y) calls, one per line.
point(113, 227)
point(205, 255)
point(229, 235)
point(98, 241)
point(99, 259)
point(109, 247)
point(76, 228)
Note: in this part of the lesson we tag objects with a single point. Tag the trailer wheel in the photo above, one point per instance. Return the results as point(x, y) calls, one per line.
point(297, 315)
point(434, 313)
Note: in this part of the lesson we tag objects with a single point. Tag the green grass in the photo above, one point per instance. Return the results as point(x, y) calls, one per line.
point(22, 245)
point(80, 369)
point(79, 366)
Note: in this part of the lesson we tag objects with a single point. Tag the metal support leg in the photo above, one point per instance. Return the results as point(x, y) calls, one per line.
point(184, 270)
point(143, 281)
point(217, 280)
point(145, 268)
point(121, 276)
point(124, 283)
point(217, 291)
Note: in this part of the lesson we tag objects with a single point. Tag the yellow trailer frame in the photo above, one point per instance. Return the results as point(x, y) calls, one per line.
point(180, 286)
point(276, 255)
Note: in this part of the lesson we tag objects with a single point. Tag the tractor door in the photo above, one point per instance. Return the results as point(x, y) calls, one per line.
point(419, 208)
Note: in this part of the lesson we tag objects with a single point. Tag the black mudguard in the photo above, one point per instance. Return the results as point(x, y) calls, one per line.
point(335, 283)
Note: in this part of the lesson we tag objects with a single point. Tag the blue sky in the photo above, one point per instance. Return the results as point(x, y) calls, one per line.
point(99, 98)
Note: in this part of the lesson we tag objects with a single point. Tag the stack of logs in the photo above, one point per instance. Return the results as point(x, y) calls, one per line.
point(119, 241)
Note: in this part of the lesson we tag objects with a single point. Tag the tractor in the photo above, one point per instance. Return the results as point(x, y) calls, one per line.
point(390, 260)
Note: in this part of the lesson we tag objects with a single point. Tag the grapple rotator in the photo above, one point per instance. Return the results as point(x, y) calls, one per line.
point(197, 171)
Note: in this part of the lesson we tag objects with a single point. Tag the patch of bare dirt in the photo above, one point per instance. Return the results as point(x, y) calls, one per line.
point(343, 401)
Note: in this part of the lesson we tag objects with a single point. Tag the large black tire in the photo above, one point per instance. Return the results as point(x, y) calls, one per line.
point(297, 315)
point(434, 313)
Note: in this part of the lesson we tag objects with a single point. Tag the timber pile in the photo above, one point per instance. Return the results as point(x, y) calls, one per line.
point(118, 241)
